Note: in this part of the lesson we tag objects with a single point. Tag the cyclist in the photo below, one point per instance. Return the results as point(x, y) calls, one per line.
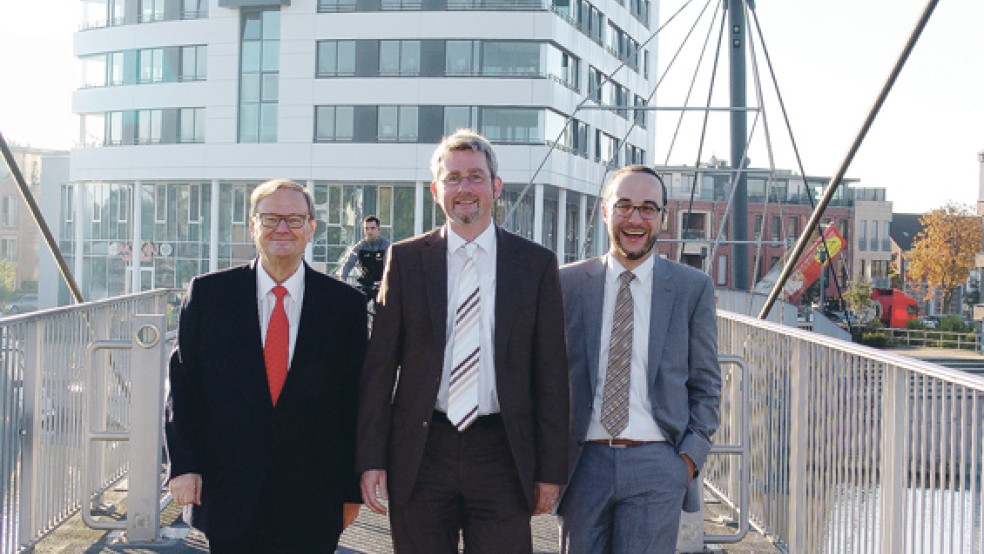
point(370, 254)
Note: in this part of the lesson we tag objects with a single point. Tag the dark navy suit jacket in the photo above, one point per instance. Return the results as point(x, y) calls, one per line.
point(221, 421)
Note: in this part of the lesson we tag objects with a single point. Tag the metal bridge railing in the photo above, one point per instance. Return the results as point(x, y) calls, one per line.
point(855, 449)
point(44, 376)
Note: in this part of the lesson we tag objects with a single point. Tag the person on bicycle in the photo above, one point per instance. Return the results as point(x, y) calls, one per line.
point(370, 254)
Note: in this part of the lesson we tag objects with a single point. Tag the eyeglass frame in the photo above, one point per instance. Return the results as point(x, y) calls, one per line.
point(460, 178)
point(281, 219)
point(626, 209)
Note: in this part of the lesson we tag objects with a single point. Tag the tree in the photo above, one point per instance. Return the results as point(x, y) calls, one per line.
point(858, 298)
point(8, 277)
point(943, 252)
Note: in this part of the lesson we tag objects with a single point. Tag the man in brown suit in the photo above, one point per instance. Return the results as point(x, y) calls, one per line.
point(469, 443)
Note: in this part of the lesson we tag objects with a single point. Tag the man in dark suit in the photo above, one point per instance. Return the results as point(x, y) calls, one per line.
point(261, 417)
point(464, 408)
point(642, 345)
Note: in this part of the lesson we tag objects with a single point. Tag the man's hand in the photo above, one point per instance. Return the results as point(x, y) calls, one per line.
point(691, 468)
point(374, 489)
point(349, 513)
point(546, 495)
point(186, 489)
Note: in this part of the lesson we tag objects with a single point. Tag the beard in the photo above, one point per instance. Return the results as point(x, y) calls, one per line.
point(616, 238)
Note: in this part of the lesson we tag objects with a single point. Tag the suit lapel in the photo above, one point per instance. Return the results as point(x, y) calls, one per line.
point(660, 310)
point(593, 291)
point(506, 284)
point(434, 261)
point(307, 328)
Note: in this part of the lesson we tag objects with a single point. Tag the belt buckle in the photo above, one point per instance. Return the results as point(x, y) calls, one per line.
point(611, 443)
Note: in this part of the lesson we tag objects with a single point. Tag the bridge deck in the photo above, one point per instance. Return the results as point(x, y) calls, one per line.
point(368, 535)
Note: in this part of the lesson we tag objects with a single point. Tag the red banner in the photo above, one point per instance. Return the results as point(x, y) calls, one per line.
point(808, 268)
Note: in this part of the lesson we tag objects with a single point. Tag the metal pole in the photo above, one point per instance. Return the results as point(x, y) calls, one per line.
point(739, 124)
point(835, 181)
point(32, 205)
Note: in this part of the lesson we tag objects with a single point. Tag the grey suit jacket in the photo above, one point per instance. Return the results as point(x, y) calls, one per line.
point(684, 375)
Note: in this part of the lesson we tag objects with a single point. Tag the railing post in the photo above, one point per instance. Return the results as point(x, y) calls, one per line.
point(30, 432)
point(892, 461)
point(799, 386)
point(147, 399)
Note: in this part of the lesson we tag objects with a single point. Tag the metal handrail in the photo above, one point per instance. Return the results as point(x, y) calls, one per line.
point(741, 450)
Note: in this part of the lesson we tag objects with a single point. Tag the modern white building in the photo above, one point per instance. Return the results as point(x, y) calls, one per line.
point(186, 104)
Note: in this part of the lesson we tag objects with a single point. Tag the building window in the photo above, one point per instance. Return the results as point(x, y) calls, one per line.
point(160, 204)
point(193, 63)
point(194, 9)
point(606, 148)
point(639, 114)
point(399, 57)
point(510, 58)
point(596, 81)
point(863, 235)
point(260, 75)
point(151, 10)
point(792, 228)
point(640, 10)
point(775, 227)
point(114, 128)
point(8, 249)
point(512, 125)
point(331, 6)
point(570, 70)
point(397, 124)
point(634, 154)
point(149, 126)
point(114, 69)
point(722, 270)
point(886, 236)
point(457, 117)
point(9, 212)
point(461, 57)
point(334, 123)
point(757, 229)
point(191, 125)
point(336, 58)
point(117, 12)
point(150, 65)
point(94, 71)
point(620, 100)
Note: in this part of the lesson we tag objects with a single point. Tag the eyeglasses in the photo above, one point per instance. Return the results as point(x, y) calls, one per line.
point(646, 211)
point(272, 221)
point(474, 177)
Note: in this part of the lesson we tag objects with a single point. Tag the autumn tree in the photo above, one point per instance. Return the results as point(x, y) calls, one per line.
point(943, 252)
point(858, 298)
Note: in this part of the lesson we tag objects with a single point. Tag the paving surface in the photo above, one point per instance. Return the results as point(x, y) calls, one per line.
point(368, 535)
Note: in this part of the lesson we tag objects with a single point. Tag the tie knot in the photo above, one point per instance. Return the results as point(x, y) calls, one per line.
point(469, 249)
point(279, 291)
point(626, 278)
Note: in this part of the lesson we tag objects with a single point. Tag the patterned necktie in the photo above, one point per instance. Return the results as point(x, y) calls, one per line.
point(463, 384)
point(615, 400)
point(276, 348)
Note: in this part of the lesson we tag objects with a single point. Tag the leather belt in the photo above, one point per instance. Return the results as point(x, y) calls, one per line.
point(620, 443)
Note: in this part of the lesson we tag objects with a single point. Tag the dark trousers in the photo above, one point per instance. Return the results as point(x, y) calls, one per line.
point(467, 484)
point(271, 531)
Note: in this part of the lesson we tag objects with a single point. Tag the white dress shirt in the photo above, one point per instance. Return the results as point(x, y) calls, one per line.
point(641, 426)
point(485, 259)
point(293, 300)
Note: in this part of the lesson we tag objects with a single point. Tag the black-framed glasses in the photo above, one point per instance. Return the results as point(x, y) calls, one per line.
point(646, 211)
point(272, 221)
point(455, 179)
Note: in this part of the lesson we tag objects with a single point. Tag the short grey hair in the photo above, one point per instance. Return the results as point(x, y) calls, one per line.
point(463, 139)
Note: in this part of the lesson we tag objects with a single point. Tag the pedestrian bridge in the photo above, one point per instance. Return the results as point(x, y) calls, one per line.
point(825, 445)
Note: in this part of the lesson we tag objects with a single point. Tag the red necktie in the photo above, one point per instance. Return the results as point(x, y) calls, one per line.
point(276, 349)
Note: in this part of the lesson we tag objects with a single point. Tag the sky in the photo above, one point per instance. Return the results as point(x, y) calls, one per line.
point(830, 58)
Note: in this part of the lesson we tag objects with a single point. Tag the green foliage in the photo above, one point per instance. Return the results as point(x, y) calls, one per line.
point(955, 324)
point(876, 339)
point(8, 276)
point(916, 325)
point(858, 296)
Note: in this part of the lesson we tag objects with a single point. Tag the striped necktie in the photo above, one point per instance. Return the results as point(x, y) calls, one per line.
point(463, 384)
point(615, 399)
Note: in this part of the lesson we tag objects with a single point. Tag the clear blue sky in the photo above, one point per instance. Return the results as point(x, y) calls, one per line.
point(831, 58)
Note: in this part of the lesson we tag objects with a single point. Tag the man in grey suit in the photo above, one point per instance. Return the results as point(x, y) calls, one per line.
point(642, 349)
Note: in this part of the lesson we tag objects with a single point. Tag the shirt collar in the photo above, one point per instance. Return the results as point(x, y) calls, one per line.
point(294, 284)
point(485, 241)
point(643, 272)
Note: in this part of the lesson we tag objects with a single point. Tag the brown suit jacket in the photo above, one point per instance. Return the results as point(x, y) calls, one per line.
point(402, 372)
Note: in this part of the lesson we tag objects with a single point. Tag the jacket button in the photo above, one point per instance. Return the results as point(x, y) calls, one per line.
point(425, 424)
